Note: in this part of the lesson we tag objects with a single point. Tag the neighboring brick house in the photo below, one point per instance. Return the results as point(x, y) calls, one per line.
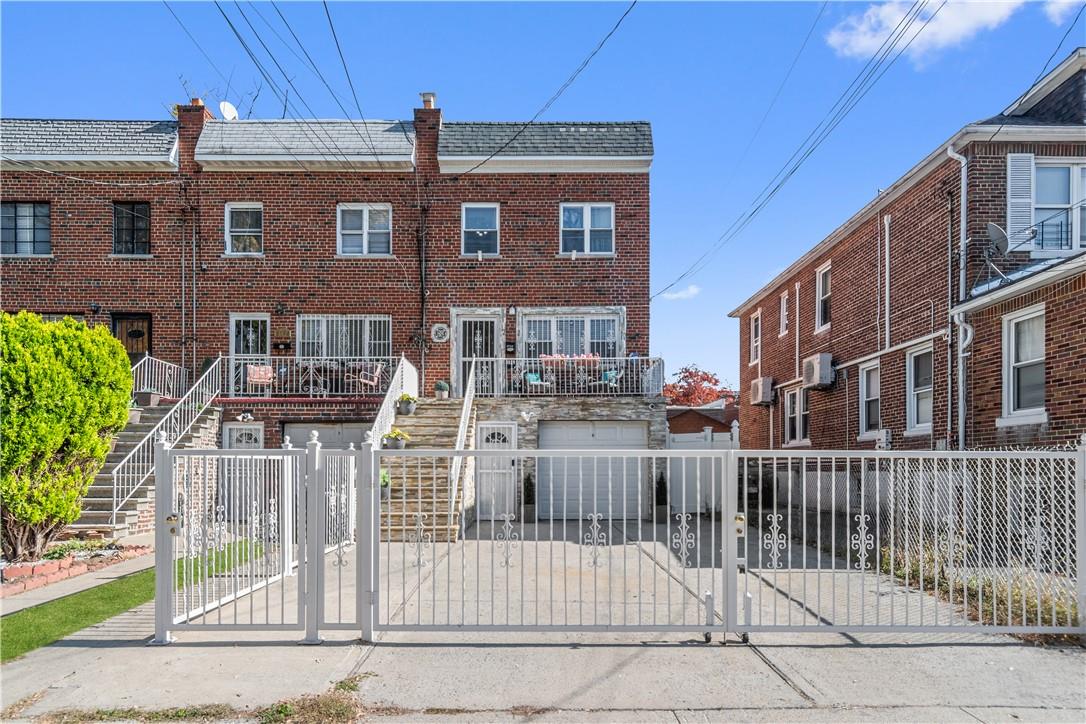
point(918, 325)
point(684, 420)
point(326, 249)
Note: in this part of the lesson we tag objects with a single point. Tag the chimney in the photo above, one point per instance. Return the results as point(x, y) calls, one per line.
point(429, 100)
point(190, 122)
point(427, 130)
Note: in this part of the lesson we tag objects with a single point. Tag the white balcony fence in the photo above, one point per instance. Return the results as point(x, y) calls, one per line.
point(151, 374)
point(272, 376)
point(583, 376)
point(405, 379)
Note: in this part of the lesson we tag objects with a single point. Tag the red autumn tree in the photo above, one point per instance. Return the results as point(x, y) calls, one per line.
point(694, 387)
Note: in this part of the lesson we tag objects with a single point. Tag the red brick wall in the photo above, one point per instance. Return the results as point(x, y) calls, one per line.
point(299, 272)
point(274, 414)
point(691, 421)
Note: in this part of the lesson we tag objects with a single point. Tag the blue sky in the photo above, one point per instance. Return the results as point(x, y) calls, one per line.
point(702, 73)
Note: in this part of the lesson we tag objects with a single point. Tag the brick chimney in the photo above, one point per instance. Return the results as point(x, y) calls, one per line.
point(427, 129)
point(190, 122)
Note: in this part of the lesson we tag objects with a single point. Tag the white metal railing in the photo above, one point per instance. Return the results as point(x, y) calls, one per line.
point(404, 379)
point(134, 469)
point(461, 440)
point(282, 376)
point(151, 374)
point(559, 375)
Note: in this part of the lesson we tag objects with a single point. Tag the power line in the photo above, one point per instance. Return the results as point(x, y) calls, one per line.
point(869, 75)
point(118, 184)
point(557, 94)
point(350, 82)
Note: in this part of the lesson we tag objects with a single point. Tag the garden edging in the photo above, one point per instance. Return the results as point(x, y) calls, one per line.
point(20, 577)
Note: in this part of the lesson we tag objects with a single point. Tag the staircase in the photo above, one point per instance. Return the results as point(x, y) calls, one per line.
point(137, 513)
point(433, 425)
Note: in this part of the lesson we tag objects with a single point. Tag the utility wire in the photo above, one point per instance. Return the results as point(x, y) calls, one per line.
point(350, 82)
point(868, 76)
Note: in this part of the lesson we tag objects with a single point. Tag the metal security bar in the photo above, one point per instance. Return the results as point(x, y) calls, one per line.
point(151, 374)
point(924, 541)
point(559, 375)
point(256, 376)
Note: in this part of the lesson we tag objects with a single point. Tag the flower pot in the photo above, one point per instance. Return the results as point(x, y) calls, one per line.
point(147, 398)
point(134, 414)
point(441, 394)
point(406, 408)
point(392, 443)
point(386, 492)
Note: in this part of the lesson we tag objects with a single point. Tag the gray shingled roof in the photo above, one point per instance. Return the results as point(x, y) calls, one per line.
point(1020, 121)
point(312, 138)
point(53, 137)
point(625, 138)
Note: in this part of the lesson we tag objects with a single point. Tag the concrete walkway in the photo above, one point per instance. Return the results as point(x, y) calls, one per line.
point(412, 676)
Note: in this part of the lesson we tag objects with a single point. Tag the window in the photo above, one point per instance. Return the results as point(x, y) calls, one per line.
point(783, 324)
point(822, 298)
point(364, 229)
point(245, 228)
point(1045, 210)
point(919, 376)
point(25, 229)
point(573, 334)
point(479, 229)
point(870, 419)
point(1024, 366)
point(131, 228)
point(588, 228)
point(60, 317)
point(242, 435)
point(756, 336)
point(797, 417)
point(344, 335)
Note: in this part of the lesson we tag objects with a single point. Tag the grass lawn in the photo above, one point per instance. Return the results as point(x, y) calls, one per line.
point(31, 628)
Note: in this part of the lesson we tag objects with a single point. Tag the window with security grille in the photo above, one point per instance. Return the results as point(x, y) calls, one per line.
point(344, 335)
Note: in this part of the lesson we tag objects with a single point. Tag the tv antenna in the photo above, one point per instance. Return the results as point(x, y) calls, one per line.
point(229, 112)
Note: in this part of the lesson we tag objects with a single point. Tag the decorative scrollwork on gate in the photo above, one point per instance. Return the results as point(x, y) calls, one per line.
point(774, 541)
point(420, 539)
point(507, 540)
point(683, 538)
point(595, 537)
point(1036, 541)
point(862, 540)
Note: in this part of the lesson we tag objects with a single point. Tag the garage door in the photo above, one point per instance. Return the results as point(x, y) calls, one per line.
point(575, 487)
point(333, 435)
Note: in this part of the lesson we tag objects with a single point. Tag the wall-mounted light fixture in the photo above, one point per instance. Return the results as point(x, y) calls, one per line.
point(95, 307)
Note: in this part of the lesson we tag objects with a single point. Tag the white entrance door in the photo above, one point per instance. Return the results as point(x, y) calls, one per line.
point(575, 487)
point(496, 477)
point(479, 338)
point(250, 344)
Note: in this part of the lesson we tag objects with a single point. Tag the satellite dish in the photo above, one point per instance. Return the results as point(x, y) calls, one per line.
point(997, 238)
point(228, 111)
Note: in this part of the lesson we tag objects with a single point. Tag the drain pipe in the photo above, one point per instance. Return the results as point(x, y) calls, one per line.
point(965, 330)
point(886, 282)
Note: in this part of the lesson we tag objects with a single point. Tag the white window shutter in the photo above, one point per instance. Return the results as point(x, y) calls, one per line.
point(1019, 199)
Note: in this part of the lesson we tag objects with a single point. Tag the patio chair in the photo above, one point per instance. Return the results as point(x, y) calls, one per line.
point(609, 381)
point(535, 384)
point(363, 376)
point(259, 377)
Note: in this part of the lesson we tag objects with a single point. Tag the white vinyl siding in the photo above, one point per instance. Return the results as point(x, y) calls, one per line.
point(1024, 366)
point(244, 229)
point(364, 229)
point(919, 390)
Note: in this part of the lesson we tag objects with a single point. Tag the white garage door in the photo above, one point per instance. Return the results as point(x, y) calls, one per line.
point(332, 435)
point(576, 487)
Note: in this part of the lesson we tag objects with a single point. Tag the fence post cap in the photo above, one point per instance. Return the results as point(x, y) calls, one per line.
point(286, 442)
point(161, 439)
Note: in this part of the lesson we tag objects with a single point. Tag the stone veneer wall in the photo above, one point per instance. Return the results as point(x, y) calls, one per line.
point(652, 410)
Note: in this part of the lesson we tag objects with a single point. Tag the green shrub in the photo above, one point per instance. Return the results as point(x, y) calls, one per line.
point(64, 391)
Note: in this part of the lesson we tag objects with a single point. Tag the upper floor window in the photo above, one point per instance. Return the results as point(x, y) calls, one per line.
point(364, 229)
point(479, 229)
point(783, 323)
point(1024, 365)
point(25, 229)
point(797, 417)
point(573, 334)
point(131, 228)
point(245, 228)
point(822, 297)
point(870, 417)
point(588, 228)
point(1045, 210)
point(344, 335)
point(919, 387)
point(756, 336)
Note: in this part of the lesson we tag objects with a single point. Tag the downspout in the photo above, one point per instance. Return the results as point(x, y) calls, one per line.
point(886, 283)
point(965, 330)
point(183, 282)
point(795, 333)
point(949, 304)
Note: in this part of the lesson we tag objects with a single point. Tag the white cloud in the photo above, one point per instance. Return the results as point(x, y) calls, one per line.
point(689, 293)
point(862, 34)
point(1058, 11)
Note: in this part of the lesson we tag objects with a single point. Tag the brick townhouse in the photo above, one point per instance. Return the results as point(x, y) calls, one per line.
point(948, 311)
point(326, 249)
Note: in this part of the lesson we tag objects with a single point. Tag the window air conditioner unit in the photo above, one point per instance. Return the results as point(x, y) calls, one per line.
point(818, 370)
point(761, 391)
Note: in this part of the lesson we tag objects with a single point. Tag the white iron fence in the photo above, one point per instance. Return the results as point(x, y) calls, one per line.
point(281, 376)
point(405, 379)
point(626, 540)
point(569, 376)
point(151, 374)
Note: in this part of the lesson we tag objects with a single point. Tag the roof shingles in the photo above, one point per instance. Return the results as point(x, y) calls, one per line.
point(625, 138)
point(54, 137)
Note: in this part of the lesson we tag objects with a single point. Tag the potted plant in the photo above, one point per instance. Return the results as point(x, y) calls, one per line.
point(406, 404)
point(147, 398)
point(134, 412)
point(386, 484)
point(441, 390)
point(395, 439)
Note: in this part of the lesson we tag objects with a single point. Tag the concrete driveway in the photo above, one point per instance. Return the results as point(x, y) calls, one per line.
point(580, 676)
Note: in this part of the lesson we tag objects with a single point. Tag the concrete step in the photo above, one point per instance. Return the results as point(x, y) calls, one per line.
point(101, 518)
point(433, 533)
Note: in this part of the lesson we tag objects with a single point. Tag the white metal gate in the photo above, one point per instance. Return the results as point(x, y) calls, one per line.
point(371, 540)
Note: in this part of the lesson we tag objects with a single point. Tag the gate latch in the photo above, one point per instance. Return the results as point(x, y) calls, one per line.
point(740, 524)
point(172, 521)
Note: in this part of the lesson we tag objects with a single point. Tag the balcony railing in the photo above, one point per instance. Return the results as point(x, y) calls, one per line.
point(563, 376)
point(269, 376)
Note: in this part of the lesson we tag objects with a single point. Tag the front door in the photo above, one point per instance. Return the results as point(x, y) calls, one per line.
point(250, 343)
point(134, 331)
point(478, 339)
point(496, 477)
